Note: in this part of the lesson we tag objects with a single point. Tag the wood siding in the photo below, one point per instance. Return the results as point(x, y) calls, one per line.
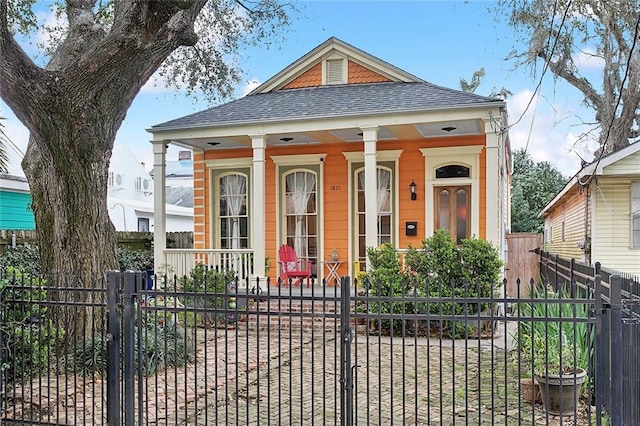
point(334, 209)
point(571, 214)
point(359, 74)
point(611, 245)
point(310, 78)
point(629, 165)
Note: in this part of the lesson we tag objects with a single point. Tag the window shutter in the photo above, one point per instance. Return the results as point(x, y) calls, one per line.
point(334, 71)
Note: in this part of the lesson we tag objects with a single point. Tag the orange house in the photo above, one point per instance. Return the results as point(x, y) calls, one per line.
point(339, 151)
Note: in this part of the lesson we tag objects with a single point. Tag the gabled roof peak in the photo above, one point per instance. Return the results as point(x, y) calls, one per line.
point(334, 47)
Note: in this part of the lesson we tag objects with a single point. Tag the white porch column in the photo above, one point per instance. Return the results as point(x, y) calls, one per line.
point(159, 204)
point(492, 144)
point(370, 137)
point(259, 144)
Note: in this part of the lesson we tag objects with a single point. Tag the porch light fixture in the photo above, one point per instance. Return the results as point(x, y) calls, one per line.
point(412, 188)
point(214, 143)
point(448, 129)
point(286, 139)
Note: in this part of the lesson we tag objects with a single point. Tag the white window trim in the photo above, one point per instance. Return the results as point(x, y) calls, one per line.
point(230, 165)
point(301, 160)
point(215, 213)
point(435, 158)
point(298, 160)
point(381, 156)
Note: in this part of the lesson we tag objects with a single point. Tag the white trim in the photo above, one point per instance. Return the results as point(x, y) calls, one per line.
point(388, 155)
point(344, 72)
point(304, 160)
point(437, 157)
point(329, 47)
point(159, 204)
point(298, 160)
point(305, 125)
point(229, 163)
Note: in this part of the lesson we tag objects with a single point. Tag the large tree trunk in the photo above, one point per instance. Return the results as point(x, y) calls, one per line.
point(73, 108)
point(69, 191)
point(78, 240)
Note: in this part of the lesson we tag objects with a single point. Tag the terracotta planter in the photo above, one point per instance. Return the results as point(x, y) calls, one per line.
point(530, 391)
point(560, 392)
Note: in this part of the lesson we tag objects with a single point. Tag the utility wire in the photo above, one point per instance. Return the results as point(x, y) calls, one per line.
point(545, 67)
point(613, 116)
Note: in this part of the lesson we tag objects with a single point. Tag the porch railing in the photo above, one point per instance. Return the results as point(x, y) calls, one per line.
point(182, 261)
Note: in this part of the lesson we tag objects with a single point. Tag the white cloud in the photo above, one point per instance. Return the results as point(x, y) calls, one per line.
point(548, 131)
point(156, 84)
point(52, 29)
point(249, 86)
point(587, 59)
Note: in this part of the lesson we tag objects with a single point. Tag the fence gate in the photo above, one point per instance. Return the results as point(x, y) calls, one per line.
point(208, 352)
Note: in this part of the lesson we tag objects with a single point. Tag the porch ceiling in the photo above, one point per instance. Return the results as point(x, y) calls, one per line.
point(438, 129)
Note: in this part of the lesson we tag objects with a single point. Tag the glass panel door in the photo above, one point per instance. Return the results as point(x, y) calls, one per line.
point(453, 207)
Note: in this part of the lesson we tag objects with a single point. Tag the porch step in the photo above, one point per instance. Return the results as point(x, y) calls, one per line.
point(294, 314)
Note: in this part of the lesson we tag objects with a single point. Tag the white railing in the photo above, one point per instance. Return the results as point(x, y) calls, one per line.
point(182, 261)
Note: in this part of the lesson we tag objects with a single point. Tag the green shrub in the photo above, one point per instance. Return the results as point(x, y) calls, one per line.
point(386, 278)
point(554, 345)
point(438, 269)
point(24, 257)
point(210, 291)
point(164, 345)
point(134, 260)
point(29, 337)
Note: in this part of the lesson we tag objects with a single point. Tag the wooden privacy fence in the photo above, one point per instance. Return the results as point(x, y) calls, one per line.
point(132, 240)
point(522, 260)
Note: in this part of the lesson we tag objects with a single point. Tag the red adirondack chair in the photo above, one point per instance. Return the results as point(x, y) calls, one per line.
point(292, 267)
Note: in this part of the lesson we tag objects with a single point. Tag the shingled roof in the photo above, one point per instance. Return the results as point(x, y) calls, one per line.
point(330, 102)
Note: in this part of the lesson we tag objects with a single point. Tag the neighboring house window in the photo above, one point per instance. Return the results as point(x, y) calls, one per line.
point(111, 181)
point(635, 214)
point(384, 207)
point(301, 213)
point(143, 224)
point(232, 211)
point(139, 184)
point(562, 230)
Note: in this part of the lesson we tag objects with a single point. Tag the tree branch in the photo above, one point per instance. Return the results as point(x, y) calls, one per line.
point(580, 83)
point(21, 80)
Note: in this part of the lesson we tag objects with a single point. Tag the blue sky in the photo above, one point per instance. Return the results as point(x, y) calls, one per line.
point(438, 41)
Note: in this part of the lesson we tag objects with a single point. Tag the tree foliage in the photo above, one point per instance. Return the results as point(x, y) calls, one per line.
point(533, 186)
point(569, 37)
point(73, 93)
point(74, 96)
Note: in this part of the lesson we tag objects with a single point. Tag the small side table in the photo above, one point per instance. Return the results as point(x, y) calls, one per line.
point(332, 271)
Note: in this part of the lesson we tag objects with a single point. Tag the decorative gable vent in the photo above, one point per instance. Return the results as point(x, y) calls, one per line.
point(334, 71)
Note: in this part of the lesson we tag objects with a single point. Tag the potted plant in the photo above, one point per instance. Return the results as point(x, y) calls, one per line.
point(558, 349)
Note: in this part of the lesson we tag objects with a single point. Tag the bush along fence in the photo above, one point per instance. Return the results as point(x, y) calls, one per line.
point(414, 343)
point(618, 300)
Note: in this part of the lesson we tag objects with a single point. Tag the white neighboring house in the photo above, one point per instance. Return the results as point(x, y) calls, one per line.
point(130, 197)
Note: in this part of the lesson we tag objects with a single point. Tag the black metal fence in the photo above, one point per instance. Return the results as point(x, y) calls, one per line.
point(617, 296)
point(208, 352)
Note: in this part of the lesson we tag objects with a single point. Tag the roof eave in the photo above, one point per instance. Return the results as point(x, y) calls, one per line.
point(493, 104)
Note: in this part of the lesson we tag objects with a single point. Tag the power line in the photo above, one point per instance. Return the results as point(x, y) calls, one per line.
point(613, 116)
